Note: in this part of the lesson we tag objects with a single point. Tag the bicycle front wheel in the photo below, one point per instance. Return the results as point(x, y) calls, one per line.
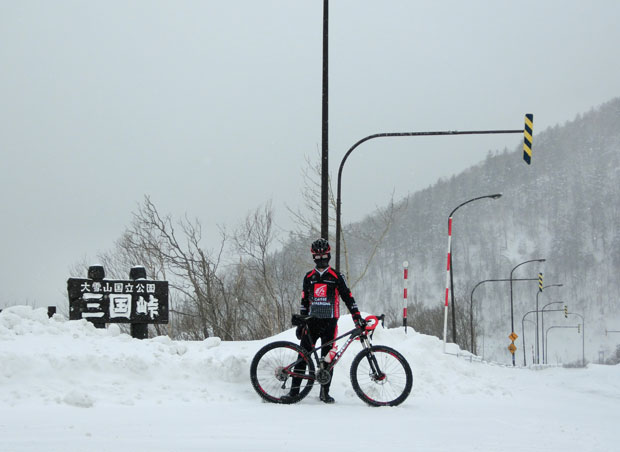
point(282, 372)
point(381, 376)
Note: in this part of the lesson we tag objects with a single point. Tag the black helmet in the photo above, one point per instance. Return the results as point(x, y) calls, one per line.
point(320, 246)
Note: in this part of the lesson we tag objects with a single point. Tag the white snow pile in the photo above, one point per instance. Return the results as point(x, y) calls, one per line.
point(59, 361)
point(67, 378)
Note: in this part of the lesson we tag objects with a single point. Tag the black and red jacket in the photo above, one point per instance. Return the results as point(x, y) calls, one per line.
point(321, 294)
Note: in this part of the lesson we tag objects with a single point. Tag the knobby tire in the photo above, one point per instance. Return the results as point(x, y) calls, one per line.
point(270, 380)
point(389, 389)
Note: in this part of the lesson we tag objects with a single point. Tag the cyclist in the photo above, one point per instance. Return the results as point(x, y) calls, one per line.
point(322, 287)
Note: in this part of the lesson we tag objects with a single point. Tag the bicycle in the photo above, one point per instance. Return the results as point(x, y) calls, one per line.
point(380, 375)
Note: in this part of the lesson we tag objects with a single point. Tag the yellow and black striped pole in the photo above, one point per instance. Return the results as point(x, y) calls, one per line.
point(540, 282)
point(527, 138)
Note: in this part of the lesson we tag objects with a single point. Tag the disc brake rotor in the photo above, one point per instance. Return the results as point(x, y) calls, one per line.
point(280, 374)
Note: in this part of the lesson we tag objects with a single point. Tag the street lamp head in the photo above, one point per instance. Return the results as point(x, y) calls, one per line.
point(542, 260)
point(496, 196)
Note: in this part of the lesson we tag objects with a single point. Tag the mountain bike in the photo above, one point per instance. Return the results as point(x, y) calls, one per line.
point(380, 376)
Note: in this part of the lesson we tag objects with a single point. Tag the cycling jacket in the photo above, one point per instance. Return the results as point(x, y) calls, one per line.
point(321, 294)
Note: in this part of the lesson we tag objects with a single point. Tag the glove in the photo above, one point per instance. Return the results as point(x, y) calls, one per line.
point(299, 331)
point(359, 321)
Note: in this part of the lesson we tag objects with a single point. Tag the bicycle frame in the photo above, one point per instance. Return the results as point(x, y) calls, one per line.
point(353, 334)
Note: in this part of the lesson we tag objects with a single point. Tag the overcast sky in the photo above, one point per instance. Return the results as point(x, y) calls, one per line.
point(211, 107)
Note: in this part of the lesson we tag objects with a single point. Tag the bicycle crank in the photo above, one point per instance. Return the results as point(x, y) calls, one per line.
point(323, 376)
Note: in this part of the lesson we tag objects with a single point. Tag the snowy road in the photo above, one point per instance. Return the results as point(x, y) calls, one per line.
point(65, 386)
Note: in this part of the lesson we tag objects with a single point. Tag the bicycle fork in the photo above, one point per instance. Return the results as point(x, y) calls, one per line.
point(372, 360)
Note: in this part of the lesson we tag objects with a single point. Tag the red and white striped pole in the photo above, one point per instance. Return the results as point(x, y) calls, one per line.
point(448, 270)
point(406, 268)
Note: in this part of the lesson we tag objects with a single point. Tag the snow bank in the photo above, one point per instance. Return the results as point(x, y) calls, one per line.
point(66, 380)
point(72, 362)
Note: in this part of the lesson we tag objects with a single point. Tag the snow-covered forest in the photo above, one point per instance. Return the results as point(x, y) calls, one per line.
point(565, 208)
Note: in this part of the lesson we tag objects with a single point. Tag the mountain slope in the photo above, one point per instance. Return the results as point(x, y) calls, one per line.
point(565, 207)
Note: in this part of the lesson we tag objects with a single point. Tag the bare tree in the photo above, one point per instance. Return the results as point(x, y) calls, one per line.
point(309, 218)
point(248, 299)
point(268, 287)
point(373, 237)
point(173, 251)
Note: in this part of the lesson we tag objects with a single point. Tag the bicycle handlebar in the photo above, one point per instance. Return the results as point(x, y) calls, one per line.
point(300, 320)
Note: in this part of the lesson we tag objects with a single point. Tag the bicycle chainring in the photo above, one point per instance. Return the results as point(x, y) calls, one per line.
point(323, 376)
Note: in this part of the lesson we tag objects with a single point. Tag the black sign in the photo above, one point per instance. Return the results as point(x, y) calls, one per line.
point(118, 301)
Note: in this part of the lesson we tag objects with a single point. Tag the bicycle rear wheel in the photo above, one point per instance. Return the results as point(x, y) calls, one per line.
point(282, 369)
point(381, 376)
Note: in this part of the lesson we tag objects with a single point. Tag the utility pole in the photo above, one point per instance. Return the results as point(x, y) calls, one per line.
point(450, 280)
point(512, 321)
point(541, 288)
point(324, 140)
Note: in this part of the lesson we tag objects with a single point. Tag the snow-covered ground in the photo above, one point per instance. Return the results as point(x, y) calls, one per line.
point(66, 386)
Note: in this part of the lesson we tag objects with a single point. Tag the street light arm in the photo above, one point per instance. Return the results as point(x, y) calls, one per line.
point(547, 335)
point(537, 338)
point(471, 296)
point(495, 196)
point(341, 167)
point(549, 304)
point(471, 303)
point(583, 338)
point(451, 269)
point(553, 285)
point(543, 340)
point(527, 313)
point(523, 333)
point(395, 134)
point(512, 321)
point(574, 313)
point(522, 263)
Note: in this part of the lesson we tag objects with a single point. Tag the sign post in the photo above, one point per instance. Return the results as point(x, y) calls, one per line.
point(138, 301)
point(512, 347)
point(406, 270)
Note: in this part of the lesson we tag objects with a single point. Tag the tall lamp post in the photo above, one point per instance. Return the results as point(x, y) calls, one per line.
point(583, 338)
point(449, 278)
point(324, 127)
point(523, 333)
point(523, 336)
point(542, 319)
point(538, 293)
point(471, 305)
point(552, 327)
point(512, 319)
